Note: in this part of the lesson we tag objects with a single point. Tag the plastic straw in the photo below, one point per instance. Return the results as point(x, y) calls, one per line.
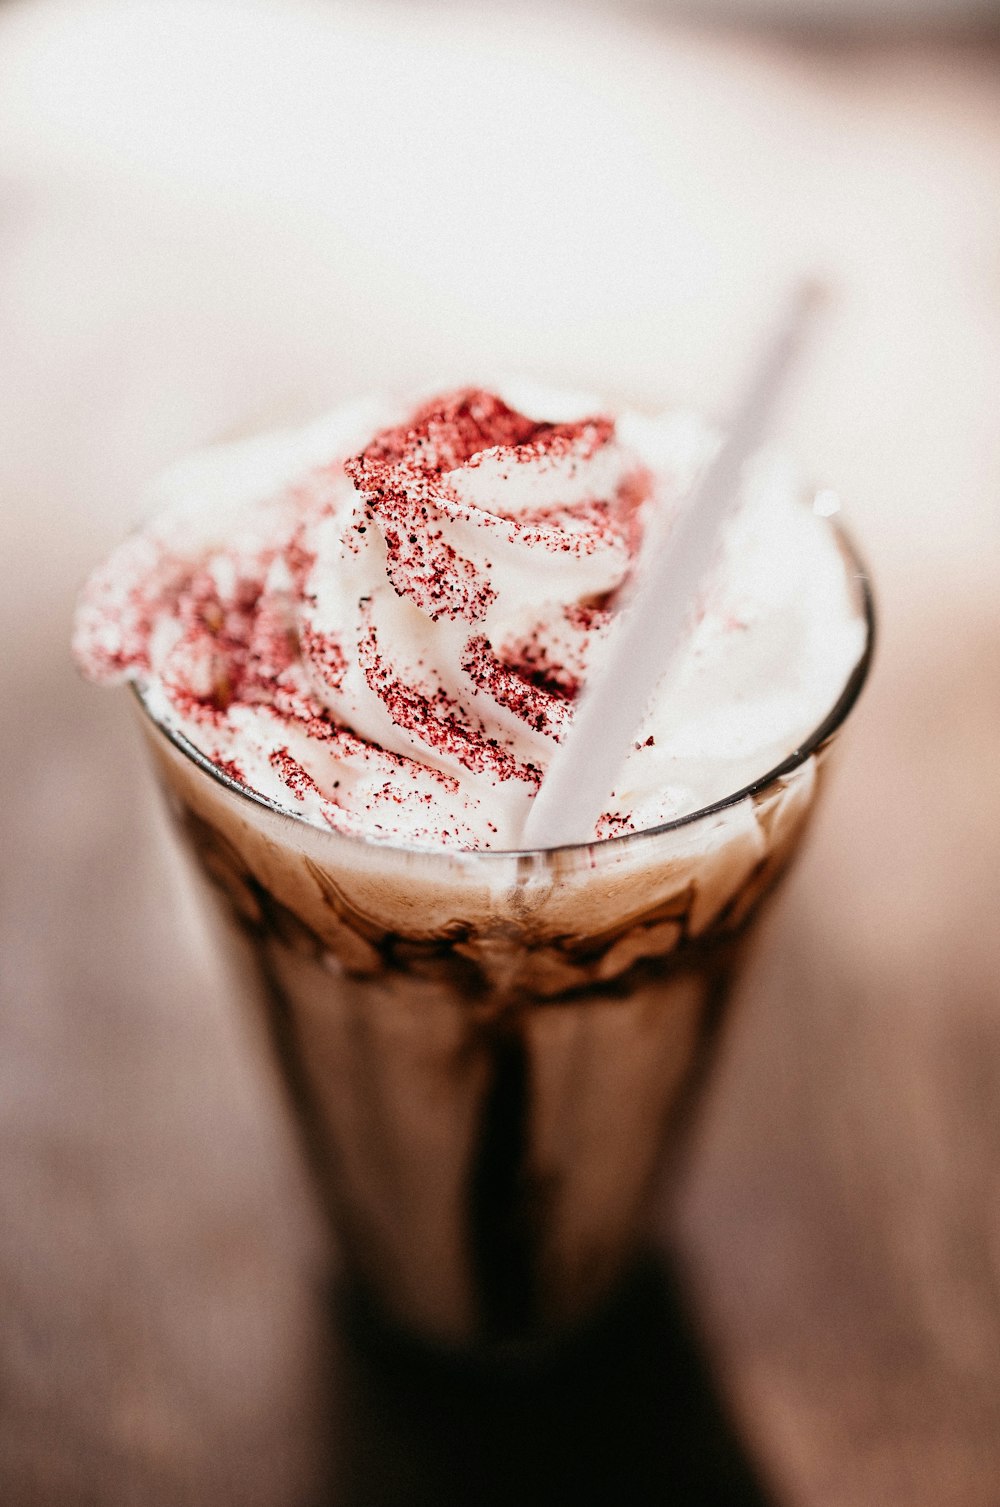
point(581, 777)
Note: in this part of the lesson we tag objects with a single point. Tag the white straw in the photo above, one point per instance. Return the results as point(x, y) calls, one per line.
point(581, 776)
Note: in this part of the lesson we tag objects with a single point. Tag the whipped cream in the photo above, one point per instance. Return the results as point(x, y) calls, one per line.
point(380, 622)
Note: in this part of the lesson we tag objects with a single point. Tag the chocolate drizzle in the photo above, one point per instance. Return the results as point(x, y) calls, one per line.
point(504, 1227)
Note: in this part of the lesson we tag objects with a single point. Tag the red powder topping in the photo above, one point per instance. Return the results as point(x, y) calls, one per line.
point(292, 774)
point(586, 616)
point(582, 440)
point(272, 647)
point(577, 529)
point(121, 606)
point(457, 429)
point(539, 708)
point(402, 477)
point(438, 720)
point(356, 752)
point(237, 643)
point(299, 559)
point(420, 562)
point(611, 824)
point(292, 704)
point(232, 769)
point(209, 663)
point(445, 433)
point(555, 657)
point(325, 653)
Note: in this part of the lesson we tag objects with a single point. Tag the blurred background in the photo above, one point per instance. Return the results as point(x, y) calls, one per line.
point(216, 213)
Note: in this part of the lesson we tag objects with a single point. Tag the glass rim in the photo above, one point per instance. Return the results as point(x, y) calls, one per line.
point(834, 719)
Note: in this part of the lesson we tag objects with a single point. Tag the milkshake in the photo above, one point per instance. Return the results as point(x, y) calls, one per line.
point(355, 647)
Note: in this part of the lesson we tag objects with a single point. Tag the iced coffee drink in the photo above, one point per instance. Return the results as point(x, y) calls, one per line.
point(355, 647)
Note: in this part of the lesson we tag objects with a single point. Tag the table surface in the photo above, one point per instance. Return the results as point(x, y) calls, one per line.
point(166, 1334)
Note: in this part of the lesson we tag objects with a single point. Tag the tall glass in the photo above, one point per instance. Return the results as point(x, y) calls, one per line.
point(489, 1054)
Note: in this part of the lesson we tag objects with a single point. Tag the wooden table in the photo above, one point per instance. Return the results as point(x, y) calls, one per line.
point(165, 1335)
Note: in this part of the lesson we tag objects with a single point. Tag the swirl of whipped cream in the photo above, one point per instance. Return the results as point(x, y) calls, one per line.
point(382, 626)
point(447, 618)
point(389, 642)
